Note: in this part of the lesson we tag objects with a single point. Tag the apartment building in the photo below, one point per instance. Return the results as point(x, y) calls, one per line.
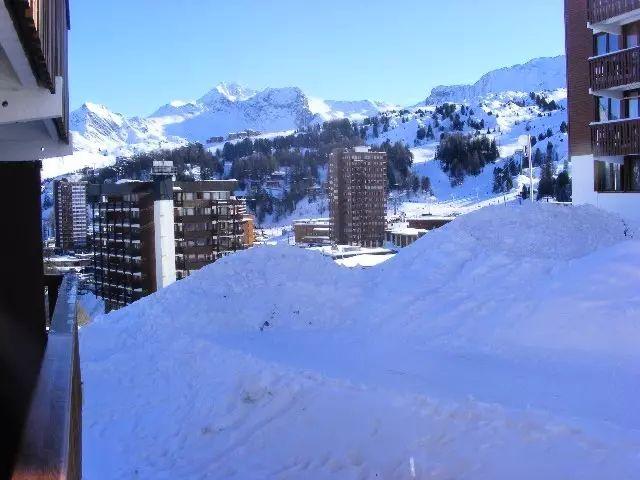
point(147, 235)
point(358, 196)
point(70, 211)
point(603, 82)
point(209, 223)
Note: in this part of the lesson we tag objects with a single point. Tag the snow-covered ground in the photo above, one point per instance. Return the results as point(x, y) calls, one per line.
point(502, 346)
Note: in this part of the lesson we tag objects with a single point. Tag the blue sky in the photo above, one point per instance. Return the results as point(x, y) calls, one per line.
point(135, 55)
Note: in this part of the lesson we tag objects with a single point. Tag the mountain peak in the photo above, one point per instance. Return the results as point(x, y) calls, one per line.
point(229, 91)
point(539, 74)
point(95, 108)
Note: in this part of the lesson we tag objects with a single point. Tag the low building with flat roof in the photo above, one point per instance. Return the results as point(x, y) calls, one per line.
point(314, 232)
point(429, 222)
point(403, 236)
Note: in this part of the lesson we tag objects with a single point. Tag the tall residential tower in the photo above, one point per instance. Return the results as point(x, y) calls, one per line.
point(70, 209)
point(358, 198)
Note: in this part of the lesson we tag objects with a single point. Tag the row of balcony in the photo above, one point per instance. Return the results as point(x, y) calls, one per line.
point(612, 74)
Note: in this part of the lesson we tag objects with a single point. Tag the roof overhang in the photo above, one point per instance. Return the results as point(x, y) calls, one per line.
point(32, 104)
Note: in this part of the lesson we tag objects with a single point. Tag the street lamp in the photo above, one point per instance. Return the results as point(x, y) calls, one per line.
point(525, 141)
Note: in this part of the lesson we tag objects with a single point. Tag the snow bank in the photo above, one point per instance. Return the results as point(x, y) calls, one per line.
point(501, 346)
point(498, 278)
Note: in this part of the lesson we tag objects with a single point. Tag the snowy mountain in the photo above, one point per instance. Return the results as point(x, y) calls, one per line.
point(353, 110)
point(101, 135)
point(227, 108)
point(95, 127)
point(540, 74)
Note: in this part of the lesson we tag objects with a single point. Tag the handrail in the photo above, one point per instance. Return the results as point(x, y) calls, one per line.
point(51, 445)
point(601, 10)
point(615, 69)
point(616, 138)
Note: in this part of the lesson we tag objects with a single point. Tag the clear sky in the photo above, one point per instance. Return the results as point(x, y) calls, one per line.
point(135, 55)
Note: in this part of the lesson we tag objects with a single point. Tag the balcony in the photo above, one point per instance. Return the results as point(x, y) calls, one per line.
point(605, 14)
point(197, 249)
point(35, 88)
point(610, 139)
point(51, 439)
point(615, 71)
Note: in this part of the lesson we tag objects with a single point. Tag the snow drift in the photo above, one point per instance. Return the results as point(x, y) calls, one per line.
point(502, 346)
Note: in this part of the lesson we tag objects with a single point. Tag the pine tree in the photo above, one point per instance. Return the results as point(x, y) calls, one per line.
point(563, 186)
point(537, 158)
point(494, 153)
point(497, 180)
point(563, 127)
point(415, 184)
point(425, 184)
point(546, 186)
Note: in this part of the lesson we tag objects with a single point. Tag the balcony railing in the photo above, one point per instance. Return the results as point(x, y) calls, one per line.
point(615, 69)
point(616, 138)
point(52, 438)
point(601, 10)
point(43, 27)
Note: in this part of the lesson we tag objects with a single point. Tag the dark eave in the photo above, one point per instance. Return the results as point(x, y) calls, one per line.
point(28, 34)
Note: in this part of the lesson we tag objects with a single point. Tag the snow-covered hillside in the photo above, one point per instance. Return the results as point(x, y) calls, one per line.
point(353, 110)
point(499, 101)
point(540, 74)
point(490, 349)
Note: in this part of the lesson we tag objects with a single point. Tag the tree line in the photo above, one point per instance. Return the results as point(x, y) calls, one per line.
point(462, 155)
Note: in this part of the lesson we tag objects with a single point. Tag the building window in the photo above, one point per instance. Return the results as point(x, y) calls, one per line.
point(632, 166)
point(615, 109)
point(608, 177)
point(618, 177)
point(609, 109)
point(632, 35)
point(632, 104)
point(606, 43)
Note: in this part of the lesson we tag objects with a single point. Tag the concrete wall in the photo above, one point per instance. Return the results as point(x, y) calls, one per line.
point(582, 172)
point(164, 237)
point(627, 205)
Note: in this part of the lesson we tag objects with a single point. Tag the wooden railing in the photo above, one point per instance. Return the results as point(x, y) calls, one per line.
point(615, 69)
point(43, 28)
point(601, 10)
point(51, 446)
point(616, 138)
